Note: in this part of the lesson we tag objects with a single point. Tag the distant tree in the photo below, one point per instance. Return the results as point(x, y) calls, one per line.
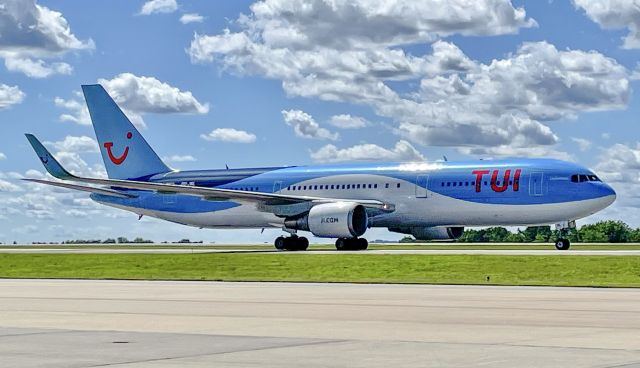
point(141, 240)
point(593, 234)
point(122, 240)
point(514, 238)
point(496, 234)
point(109, 241)
point(634, 236)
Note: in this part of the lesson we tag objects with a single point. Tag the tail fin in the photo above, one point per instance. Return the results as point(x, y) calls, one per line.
point(125, 153)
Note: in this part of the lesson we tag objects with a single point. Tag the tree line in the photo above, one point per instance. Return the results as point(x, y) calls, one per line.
point(599, 232)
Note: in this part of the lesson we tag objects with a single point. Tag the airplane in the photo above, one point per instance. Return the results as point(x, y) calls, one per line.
point(429, 200)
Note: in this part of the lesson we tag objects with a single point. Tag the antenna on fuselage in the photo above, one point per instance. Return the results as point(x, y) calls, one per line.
point(227, 166)
point(445, 158)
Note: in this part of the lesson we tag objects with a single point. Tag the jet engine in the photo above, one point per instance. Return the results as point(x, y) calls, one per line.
point(431, 233)
point(332, 220)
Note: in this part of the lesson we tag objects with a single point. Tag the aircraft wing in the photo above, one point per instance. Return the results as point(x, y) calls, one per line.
point(83, 188)
point(266, 199)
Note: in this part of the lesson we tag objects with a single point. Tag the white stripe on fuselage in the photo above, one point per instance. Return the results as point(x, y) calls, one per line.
point(435, 210)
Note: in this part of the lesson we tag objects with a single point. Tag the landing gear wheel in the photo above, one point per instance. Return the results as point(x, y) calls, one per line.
point(303, 243)
point(562, 244)
point(291, 243)
point(352, 244)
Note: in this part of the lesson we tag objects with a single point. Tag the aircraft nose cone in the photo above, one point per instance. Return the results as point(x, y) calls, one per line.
point(609, 194)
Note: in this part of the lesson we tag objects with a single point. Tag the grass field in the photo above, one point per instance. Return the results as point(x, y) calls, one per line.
point(399, 246)
point(600, 271)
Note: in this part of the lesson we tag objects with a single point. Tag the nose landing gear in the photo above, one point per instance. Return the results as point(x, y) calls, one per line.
point(562, 243)
point(291, 243)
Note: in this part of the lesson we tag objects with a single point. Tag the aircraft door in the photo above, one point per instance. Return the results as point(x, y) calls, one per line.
point(422, 186)
point(536, 184)
point(277, 186)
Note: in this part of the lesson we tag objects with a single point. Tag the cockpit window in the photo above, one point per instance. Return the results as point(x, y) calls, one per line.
point(581, 178)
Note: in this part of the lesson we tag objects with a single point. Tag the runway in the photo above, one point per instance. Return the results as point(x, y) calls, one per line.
point(507, 252)
point(63, 323)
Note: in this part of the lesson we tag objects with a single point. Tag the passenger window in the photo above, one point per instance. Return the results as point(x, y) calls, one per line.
point(473, 183)
point(448, 184)
point(348, 186)
point(398, 185)
point(375, 186)
point(358, 186)
point(454, 183)
point(442, 184)
point(386, 185)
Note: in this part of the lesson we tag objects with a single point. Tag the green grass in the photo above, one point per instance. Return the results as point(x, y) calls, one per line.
point(399, 246)
point(601, 271)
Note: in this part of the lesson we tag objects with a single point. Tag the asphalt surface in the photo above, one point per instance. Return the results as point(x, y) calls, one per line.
point(74, 323)
point(528, 252)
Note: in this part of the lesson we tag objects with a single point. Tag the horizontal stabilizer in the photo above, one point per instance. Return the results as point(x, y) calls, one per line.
point(83, 188)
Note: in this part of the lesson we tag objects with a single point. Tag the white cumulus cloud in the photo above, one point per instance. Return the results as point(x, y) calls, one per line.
point(346, 121)
point(179, 158)
point(36, 69)
point(229, 135)
point(191, 18)
point(147, 94)
point(159, 6)
point(136, 96)
point(305, 126)
point(459, 102)
point(76, 144)
point(403, 151)
point(10, 95)
point(615, 14)
point(32, 31)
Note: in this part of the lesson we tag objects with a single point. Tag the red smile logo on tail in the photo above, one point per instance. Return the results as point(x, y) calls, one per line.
point(112, 157)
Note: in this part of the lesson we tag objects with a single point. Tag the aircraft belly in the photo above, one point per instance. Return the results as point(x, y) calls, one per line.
point(245, 216)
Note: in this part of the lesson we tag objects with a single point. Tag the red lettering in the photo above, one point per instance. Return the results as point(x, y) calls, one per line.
point(516, 180)
point(479, 174)
point(505, 181)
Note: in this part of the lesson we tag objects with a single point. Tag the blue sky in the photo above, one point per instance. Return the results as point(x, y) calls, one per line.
point(282, 82)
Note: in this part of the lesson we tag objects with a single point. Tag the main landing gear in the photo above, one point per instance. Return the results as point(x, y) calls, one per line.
point(352, 244)
point(292, 242)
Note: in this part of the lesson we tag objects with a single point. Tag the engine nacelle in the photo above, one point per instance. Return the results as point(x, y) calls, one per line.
point(332, 220)
point(431, 233)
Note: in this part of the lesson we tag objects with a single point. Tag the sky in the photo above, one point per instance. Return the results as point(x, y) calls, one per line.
point(293, 82)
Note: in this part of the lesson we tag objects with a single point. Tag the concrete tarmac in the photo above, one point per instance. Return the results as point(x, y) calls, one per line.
point(74, 323)
point(506, 252)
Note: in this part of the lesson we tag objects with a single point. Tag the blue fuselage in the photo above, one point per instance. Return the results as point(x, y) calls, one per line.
point(465, 193)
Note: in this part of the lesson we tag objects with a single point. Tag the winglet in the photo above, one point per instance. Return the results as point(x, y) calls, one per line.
point(53, 167)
